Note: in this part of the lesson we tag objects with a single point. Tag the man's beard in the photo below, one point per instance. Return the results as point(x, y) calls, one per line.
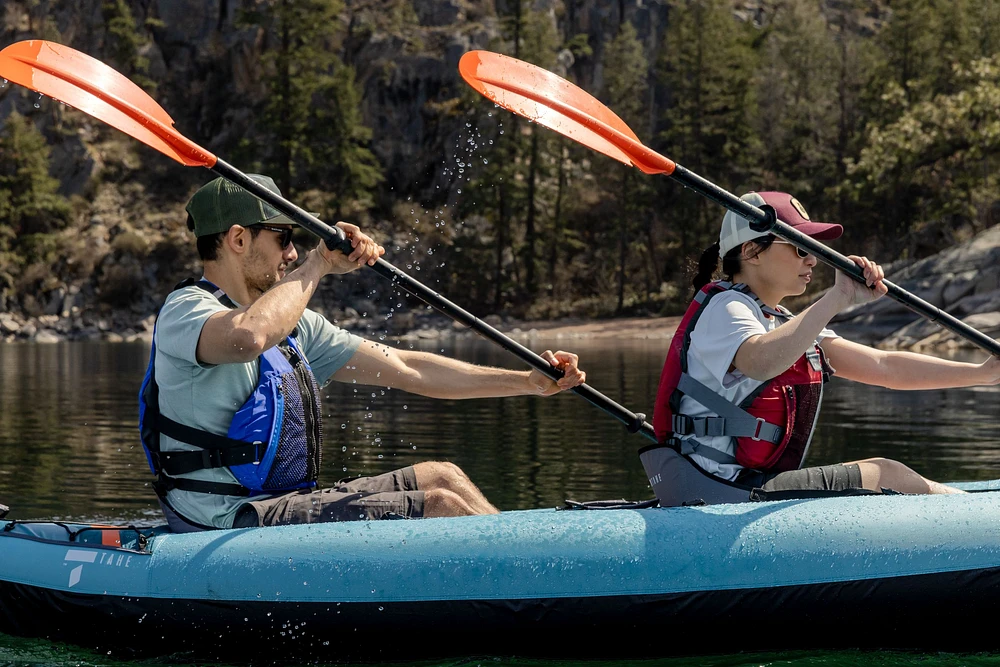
point(258, 277)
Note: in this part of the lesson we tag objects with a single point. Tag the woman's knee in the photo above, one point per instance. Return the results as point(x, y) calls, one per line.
point(878, 473)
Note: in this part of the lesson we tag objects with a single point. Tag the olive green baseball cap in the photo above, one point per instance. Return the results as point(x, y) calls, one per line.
point(220, 204)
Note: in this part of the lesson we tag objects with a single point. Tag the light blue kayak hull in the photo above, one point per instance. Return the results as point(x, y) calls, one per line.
point(899, 571)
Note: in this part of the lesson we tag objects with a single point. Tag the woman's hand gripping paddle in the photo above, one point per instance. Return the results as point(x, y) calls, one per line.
point(549, 100)
point(89, 85)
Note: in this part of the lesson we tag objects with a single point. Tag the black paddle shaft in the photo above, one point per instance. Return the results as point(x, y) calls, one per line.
point(765, 221)
point(335, 239)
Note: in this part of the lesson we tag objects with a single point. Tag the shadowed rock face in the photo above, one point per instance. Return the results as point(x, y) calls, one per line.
point(964, 281)
point(207, 66)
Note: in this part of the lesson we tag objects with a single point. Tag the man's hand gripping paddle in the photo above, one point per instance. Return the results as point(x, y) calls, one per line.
point(89, 85)
point(549, 100)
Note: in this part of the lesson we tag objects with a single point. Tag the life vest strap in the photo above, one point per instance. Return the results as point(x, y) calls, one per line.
point(732, 421)
point(181, 463)
point(690, 446)
point(217, 450)
point(165, 484)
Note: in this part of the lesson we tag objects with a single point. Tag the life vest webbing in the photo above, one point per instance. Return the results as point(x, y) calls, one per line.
point(731, 420)
point(217, 451)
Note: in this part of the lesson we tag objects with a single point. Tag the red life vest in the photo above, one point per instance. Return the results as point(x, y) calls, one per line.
point(773, 426)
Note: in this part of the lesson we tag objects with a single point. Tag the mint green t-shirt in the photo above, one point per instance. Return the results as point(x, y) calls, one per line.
point(206, 397)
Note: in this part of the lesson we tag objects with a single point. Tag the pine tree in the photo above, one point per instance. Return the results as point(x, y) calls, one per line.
point(918, 45)
point(29, 199)
point(31, 207)
point(340, 159)
point(707, 64)
point(540, 44)
point(311, 114)
point(625, 83)
point(798, 107)
point(920, 49)
point(937, 155)
point(125, 42)
point(984, 26)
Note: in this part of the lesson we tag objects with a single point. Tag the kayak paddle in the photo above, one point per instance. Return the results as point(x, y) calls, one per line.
point(549, 100)
point(89, 85)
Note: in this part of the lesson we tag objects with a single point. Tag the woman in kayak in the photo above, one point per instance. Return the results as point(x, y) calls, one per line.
point(742, 384)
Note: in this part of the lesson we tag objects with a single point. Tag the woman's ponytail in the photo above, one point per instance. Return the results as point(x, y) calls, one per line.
point(707, 266)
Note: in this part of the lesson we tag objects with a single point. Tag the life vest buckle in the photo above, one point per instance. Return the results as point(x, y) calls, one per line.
point(257, 445)
point(756, 434)
point(681, 424)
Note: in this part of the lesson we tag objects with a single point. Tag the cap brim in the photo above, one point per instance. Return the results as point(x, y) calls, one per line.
point(821, 231)
point(282, 219)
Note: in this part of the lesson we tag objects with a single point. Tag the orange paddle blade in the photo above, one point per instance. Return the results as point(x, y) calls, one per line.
point(89, 85)
point(554, 102)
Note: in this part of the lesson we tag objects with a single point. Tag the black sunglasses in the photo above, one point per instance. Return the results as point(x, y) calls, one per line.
point(285, 237)
point(798, 251)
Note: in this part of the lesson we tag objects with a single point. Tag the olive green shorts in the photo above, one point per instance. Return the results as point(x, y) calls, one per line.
point(392, 495)
point(837, 477)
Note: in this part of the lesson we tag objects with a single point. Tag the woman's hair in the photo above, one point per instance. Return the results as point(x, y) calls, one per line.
point(709, 262)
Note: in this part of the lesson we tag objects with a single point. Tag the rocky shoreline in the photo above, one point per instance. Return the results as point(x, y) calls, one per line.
point(963, 280)
point(53, 328)
point(73, 326)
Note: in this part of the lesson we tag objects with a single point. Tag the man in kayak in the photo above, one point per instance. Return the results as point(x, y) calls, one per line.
point(741, 387)
point(230, 408)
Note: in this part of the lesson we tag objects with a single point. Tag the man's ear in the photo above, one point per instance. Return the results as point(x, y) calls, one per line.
point(238, 238)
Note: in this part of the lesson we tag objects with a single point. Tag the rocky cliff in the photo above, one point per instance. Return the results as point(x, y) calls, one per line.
point(127, 244)
point(964, 281)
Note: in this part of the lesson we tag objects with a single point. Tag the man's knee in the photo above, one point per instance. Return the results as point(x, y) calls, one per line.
point(453, 472)
point(443, 502)
point(440, 474)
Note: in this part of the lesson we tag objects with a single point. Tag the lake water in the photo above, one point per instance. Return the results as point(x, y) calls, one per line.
point(69, 447)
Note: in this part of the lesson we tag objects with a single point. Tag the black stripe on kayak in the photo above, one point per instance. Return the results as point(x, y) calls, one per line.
point(930, 612)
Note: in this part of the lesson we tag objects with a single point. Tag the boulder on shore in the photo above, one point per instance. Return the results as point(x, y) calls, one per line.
point(963, 281)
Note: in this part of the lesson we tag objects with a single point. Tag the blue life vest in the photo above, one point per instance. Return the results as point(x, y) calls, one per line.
point(275, 440)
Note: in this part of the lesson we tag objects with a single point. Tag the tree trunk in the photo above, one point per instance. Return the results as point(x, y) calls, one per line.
point(285, 133)
point(529, 223)
point(622, 241)
point(842, 128)
point(653, 275)
point(501, 242)
point(557, 223)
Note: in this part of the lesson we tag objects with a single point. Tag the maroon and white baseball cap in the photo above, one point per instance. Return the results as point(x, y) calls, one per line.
point(736, 229)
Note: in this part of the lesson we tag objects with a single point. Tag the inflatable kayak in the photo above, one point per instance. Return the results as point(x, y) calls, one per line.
point(863, 571)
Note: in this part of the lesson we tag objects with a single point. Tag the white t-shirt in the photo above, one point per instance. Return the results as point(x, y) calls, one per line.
point(729, 319)
point(206, 397)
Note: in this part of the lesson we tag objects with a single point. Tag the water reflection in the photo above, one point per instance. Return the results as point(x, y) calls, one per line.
point(69, 446)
